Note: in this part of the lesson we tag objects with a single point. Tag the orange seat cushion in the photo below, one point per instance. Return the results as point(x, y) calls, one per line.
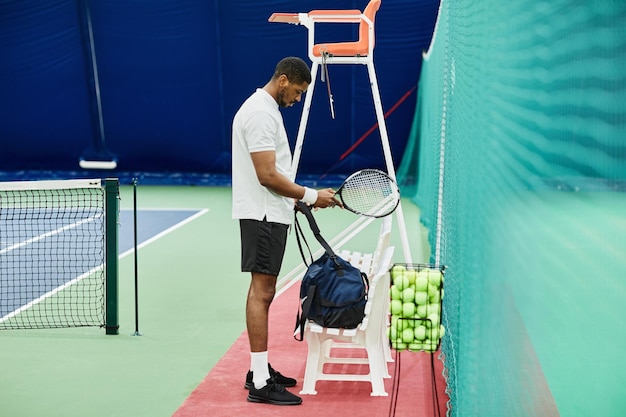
point(342, 48)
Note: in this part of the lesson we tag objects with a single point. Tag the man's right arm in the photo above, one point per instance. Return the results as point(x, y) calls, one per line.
point(265, 167)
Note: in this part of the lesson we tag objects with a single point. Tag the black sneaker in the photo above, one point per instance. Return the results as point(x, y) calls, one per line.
point(275, 375)
point(273, 393)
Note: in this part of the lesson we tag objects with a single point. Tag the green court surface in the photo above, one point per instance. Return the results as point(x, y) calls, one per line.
point(191, 310)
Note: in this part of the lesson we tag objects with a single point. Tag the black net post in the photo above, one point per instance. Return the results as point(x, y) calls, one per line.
point(137, 333)
point(112, 191)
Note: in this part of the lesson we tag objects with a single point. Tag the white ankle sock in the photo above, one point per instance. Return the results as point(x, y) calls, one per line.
point(260, 369)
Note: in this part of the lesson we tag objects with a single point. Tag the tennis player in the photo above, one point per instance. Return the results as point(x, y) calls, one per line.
point(263, 202)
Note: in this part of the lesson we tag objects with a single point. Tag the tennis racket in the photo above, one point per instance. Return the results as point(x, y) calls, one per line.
point(369, 192)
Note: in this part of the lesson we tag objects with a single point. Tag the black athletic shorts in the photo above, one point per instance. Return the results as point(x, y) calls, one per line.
point(262, 246)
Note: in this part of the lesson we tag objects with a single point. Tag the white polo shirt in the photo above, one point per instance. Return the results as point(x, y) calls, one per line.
point(258, 126)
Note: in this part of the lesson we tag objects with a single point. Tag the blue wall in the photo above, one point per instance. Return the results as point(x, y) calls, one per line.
point(171, 75)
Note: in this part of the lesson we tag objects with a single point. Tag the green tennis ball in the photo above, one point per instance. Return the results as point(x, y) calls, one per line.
point(432, 290)
point(408, 309)
point(396, 307)
point(435, 277)
point(395, 293)
point(408, 295)
point(434, 334)
point(421, 282)
point(398, 345)
point(433, 320)
point(429, 347)
point(407, 335)
point(416, 347)
point(434, 308)
point(397, 270)
point(421, 297)
point(401, 282)
point(393, 322)
point(420, 332)
point(398, 323)
point(422, 311)
point(402, 324)
point(410, 274)
point(392, 333)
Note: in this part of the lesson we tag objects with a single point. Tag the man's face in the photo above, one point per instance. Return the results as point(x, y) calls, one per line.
point(290, 93)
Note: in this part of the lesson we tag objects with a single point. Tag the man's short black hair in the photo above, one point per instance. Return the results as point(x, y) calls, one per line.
point(296, 70)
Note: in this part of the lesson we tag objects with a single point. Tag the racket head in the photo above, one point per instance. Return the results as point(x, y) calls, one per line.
point(370, 192)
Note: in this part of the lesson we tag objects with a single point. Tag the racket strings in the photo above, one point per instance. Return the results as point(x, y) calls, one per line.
point(371, 193)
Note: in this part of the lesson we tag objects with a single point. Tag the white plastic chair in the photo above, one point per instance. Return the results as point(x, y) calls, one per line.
point(382, 245)
point(384, 238)
point(362, 261)
point(324, 344)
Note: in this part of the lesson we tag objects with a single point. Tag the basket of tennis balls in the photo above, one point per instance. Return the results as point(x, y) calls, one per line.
point(416, 293)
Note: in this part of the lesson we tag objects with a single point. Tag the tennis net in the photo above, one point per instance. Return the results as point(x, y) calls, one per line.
point(56, 237)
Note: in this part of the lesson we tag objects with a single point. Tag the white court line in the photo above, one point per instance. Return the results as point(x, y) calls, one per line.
point(48, 234)
point(166, 231)
point(93, 270)
point(50, 293)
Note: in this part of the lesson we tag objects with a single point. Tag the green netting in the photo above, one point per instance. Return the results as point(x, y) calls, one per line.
point(517, 160)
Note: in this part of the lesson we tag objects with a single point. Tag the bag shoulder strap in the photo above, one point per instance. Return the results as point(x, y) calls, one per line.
point(299, 238)
point(306, 210)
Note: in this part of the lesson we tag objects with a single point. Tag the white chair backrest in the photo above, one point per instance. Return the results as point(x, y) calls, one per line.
point(378, 292)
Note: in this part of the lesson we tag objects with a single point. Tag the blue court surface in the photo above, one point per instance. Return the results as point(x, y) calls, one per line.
point(40, 255)
point(151, 224)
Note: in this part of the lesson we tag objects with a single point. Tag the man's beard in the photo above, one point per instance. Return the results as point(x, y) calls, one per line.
point(281, 100)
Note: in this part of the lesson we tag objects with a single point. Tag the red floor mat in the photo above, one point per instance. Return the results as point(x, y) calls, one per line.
point(221, 393)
